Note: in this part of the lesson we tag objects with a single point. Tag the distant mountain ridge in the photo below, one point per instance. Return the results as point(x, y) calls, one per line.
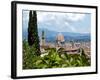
point(51, 35)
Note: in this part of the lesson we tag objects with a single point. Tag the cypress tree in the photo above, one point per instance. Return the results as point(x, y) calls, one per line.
point(33, 38)
point(30, 37)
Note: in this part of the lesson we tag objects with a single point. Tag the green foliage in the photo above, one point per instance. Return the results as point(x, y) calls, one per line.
point(51, 59)
point(33, 39)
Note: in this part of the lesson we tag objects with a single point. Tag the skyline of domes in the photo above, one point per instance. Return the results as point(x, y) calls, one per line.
point(60, 37)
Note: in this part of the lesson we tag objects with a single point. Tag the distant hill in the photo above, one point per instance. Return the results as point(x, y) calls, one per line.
point(51, 35)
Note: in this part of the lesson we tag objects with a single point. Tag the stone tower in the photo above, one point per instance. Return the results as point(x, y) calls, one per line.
point(60, 39)
point(43, 38)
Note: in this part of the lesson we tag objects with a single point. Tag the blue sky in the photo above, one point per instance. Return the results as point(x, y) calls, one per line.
point(61, 22)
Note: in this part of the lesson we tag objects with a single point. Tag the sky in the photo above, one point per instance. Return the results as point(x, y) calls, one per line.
point(61, 22)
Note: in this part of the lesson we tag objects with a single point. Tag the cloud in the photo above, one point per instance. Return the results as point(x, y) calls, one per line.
point(71, 28)
point(75, 16)
point(45, 16)
point(61, 22)
point(58, 21)
point(25, 15)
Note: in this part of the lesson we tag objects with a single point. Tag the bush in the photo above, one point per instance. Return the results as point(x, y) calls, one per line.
point(51, 59)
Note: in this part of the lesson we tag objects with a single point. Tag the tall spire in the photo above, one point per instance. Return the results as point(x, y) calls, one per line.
point(43, 38)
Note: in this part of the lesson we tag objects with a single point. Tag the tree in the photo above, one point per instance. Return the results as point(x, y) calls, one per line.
point(30, 37)
point(33, 38)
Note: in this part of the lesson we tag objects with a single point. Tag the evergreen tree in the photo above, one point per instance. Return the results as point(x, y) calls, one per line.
point(33, 38)
point(30, 37)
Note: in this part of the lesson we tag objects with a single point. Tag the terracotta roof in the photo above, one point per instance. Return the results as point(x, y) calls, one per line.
point(60, 37)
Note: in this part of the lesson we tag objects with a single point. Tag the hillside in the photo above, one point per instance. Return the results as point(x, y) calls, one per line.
point(51, 35)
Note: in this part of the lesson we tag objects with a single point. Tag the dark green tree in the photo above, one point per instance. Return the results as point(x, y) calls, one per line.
point(33, 38)
point(30, 37)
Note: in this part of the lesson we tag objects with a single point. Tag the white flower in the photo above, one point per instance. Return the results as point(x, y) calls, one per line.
point(42, 55)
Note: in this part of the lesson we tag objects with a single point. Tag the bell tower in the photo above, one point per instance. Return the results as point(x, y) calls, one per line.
point(43, 38)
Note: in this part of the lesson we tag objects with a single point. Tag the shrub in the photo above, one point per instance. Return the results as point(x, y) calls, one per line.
point(52, 59)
